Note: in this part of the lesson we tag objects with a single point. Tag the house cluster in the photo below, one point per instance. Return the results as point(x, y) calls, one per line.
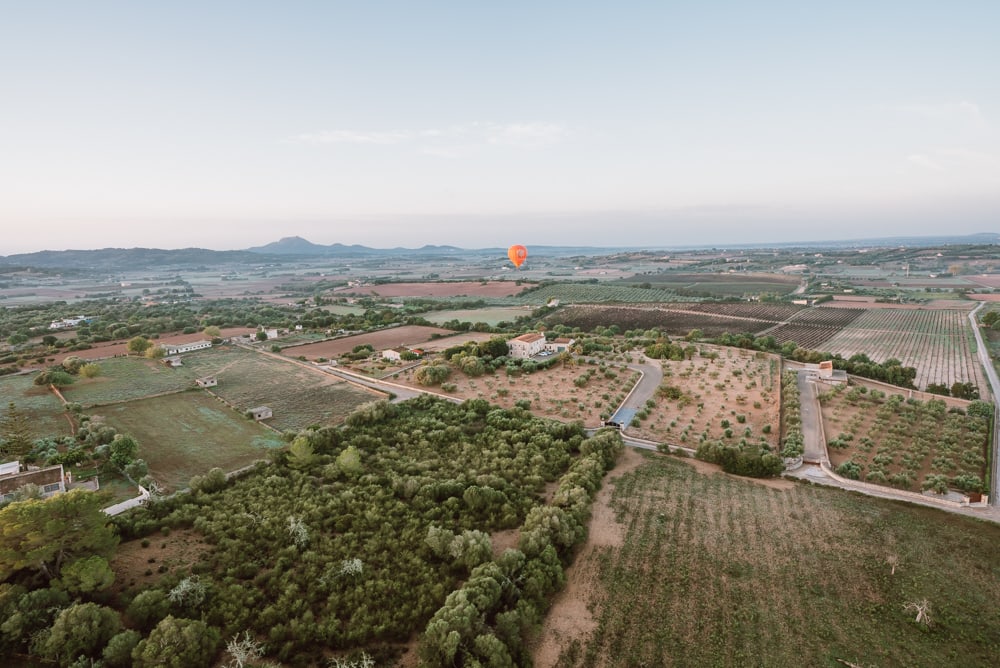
point(50, 480)
point(67, 323)
point(535, 344)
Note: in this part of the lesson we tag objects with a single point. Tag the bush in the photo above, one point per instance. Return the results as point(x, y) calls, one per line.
point(177, 643)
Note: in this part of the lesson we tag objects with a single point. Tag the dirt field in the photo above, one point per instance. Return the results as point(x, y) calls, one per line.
point(383, 339)
point(470, 289)
point(716, 570)
point(901, 444)
point(714, 394)
point(135, 565)
point(552, 392)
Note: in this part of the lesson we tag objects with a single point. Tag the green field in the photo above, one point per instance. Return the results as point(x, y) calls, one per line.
point(188, 433)
point(128, 378)
point(490, 316)
point(299, 396)
point(720, 571)
point(39, 403)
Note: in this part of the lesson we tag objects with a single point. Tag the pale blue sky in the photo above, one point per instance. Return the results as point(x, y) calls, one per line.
point(230, 124)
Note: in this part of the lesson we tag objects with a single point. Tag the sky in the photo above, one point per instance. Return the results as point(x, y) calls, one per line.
point(480, 124)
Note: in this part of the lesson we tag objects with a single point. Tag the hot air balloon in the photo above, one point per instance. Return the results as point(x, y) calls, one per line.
point(517, 253)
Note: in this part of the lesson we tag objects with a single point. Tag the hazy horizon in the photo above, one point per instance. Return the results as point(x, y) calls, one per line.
point(231, 125)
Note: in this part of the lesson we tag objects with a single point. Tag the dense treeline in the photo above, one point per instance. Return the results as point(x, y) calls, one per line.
point(357, 536)
point(485, 621)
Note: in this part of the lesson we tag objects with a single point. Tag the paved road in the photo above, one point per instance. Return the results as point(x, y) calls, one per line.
point(645, 389)
point(814, 447)
point(991, 375)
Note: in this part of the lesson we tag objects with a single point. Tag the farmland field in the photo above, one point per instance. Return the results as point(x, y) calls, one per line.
point(718, 390)
point(713, 570)
point(185, 434)
point(897, 442)
point(491, 316)
point(720, 285)
point(43, 407)
point(438, 289)
point(935, 342)
point(556, 392)
point(298, 395)
point(408, 335)
point(676, 322)
point(129, 378)
point(589, 293)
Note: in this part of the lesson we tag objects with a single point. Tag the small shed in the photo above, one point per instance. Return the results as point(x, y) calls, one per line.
point(173, 360)
point(207, 381)
point(261, 413)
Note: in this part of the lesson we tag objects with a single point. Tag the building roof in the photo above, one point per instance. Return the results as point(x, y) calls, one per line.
point(529, 338)
point(41, 477)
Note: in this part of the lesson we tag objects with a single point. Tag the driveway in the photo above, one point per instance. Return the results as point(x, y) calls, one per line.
point(814, 447)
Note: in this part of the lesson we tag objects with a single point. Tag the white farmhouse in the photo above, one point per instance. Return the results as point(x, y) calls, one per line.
point(179, 348)
point(526, 346)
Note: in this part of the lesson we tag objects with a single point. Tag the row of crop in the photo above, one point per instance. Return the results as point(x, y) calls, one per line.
point(942, 321)
point(793, 442)
point(906, 437)
point(484, 623)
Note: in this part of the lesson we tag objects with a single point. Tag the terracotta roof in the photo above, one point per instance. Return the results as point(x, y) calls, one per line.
point(529, 338)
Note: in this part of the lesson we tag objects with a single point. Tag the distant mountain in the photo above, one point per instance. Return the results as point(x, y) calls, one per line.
point(123, 259)
point(300, 247)
point(283, 250)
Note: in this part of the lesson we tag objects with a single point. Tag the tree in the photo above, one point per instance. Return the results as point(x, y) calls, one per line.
point(300, 453)
point(349, 461)
point(123, 451)
point(177, 643)
point(261, 335)
point(91, 370)
point(212, 331)
point(15, 434)
point(155, 353)
point(244, 650)
point(87, 575)
point(118, 652)
point(139, 345)
point(45, 534)
point(81, 630)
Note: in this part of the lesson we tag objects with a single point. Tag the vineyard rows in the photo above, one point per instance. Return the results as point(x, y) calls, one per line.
point(936, 343)
point(805, 336)
point(827, 317)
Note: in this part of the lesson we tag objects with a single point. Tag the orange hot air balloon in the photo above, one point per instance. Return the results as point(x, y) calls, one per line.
point(517, 253)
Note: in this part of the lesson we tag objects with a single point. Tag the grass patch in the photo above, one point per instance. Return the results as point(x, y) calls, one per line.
point(44, 408)
point(181, 435)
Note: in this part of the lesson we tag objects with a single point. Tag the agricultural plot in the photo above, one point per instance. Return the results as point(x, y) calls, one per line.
point(722, 285)
point(44, 408)
point(724, 394)
point(714, 570)
point(408, 335)
point(907, 444)
point(186, 434)
point(937, 343)
point(298, 395)
point(675, 322)
point(490, 316)
point(596, 293)
point(130, 378)
point(811, 328)
point(570, 392)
